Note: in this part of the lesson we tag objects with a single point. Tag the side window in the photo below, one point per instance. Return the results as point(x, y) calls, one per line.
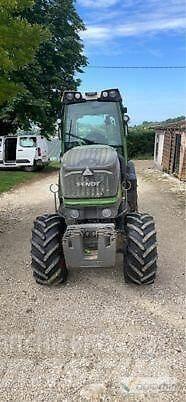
point(28, 142)
point(1, 142)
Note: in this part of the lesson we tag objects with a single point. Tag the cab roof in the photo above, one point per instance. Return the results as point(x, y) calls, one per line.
point(107, 95)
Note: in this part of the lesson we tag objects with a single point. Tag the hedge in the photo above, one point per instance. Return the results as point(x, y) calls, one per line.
point(140, 142)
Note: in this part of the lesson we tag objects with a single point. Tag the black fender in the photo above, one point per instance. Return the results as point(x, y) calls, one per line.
point(131, 171)
point(132, 192)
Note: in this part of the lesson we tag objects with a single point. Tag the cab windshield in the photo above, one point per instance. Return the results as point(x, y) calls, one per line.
point(93, 122)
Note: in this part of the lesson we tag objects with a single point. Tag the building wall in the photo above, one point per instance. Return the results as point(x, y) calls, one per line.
point(182, 167)
point(170, 148)
point(158, 149)
point(169, 140)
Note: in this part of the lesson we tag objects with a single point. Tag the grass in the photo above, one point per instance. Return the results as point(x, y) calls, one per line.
point(11, 178)
point(54, 165)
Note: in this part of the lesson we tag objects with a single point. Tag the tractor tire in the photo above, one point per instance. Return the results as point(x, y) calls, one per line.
point(48, 262)
point(140, 254)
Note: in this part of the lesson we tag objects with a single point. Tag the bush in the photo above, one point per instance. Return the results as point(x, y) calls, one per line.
point(140, 142)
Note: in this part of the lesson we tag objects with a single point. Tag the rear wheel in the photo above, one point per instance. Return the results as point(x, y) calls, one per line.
point(48, 260)
point(30, 168)
point(140, 256)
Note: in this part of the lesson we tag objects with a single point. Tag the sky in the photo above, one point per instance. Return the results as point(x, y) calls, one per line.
point(137, 33)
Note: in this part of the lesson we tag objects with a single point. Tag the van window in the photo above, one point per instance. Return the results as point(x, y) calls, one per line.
point(28, 142)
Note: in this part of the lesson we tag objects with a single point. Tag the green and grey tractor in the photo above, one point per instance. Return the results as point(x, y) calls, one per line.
point(96, 212)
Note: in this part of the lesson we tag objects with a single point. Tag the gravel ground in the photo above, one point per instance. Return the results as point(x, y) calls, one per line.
point(95, 338)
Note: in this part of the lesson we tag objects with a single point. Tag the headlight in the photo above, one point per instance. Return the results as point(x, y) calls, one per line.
point(69, 96)
point(112, 94)
point(106, 213)
point(77, 95)
point(105, 94)
point(74, 213)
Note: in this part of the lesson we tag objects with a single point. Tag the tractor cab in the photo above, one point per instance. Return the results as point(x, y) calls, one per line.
point(94, 118)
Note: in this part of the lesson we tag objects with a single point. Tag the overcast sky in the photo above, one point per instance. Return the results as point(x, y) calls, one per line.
point(137, 32)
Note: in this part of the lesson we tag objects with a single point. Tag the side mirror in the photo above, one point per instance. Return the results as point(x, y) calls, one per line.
point(126, 118)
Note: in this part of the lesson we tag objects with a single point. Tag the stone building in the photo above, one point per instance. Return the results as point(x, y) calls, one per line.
point(169, 149)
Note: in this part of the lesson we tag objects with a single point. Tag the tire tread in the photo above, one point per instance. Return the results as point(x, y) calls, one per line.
point(140, 257)
point(48, 262)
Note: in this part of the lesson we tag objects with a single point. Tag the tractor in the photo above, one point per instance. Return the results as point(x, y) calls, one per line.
point(96, 212)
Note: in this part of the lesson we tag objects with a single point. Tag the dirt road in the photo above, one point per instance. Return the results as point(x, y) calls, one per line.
point(96, 338)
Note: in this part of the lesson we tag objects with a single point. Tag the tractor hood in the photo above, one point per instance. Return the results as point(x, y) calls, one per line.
point(90, 171)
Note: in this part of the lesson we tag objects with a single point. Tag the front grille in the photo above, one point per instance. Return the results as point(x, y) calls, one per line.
point(101, 184)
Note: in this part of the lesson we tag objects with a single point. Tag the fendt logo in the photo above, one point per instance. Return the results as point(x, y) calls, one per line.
point(88, 183)
point(88, 172)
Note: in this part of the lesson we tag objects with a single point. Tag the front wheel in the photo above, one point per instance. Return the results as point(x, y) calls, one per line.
point(48, 262)
point(140, 255)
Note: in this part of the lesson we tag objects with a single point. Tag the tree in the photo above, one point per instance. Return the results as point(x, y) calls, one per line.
point(53, 69)
point(140, 141)
point(19, 41)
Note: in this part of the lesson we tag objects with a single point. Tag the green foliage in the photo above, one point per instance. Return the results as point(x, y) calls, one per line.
point(8, 89)
point(52, 70)
point(175, 119)
point(140, 141)
point(19, 41)
point(146, 124)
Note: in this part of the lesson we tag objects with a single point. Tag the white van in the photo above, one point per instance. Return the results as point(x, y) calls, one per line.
point(27, 151)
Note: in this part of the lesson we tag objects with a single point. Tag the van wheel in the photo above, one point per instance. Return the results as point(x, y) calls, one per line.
point(140, 256)
point(48, 261)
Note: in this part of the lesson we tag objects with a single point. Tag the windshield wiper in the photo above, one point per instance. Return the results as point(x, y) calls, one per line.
point(69, 134)
point(80, 138)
